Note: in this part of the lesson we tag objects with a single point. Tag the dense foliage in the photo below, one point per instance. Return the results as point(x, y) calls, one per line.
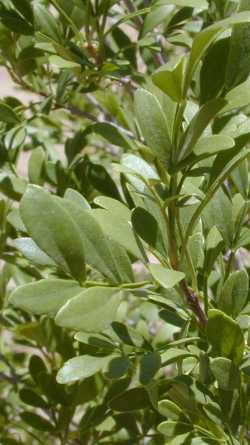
point(124, 213)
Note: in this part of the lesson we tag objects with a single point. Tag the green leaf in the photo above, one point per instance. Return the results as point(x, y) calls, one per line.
point(214, 245)
point(25, 8)
point(149, 366)
point(238, 97)
point(81, 367)
point(159, 14)
point(111, 133)
point(102, 181)
point(213, 71)
point(139, 166)
point(36, 166)
point(219, 172)
point(44, 296)
point(131, 400)
point(46, 23)
point(31, 398)
point(36, 367)
point(169, 409)
point(117, 368)
point(77, 198)
point(7, 114)
point(219, 213)
point(167, 278)
point(36, 421)
point(213, 144)
point(31, 251)
point(115, 223)
point(128, 335)
point(201, 4)
point(239, 56)
point(234, 293)
point(197, 126)
point(153, 124)
point(225, 336)
point(53, 230)
point(172, 317)
point(61, 63)
point(174, 355)
point(171, 428)
point(147, 228)
point(204, 39)
point(171, 81)
point(240, 178)
point(93, 310)
point(15, 138)
point(225, 372)
point(102, 253)
point(12, 20)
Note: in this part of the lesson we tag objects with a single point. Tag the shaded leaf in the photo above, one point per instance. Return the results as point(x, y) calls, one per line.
point(149, 366)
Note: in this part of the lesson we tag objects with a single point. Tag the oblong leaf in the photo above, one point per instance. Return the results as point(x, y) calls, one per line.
point(81, 367)
point(167, 278)
point(44, 296)
point(153, 124)
point(92, 310)
point(53, 230)
point(225, 336)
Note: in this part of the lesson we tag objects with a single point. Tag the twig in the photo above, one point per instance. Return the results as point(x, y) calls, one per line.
point(194, 303)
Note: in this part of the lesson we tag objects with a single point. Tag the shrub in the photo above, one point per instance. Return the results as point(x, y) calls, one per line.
point(125, 307)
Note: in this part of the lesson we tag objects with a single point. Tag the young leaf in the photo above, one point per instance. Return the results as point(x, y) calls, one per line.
point(170, 81)
point(167, 278)
point(93, 310)
point(197, 126)
point(153, 124)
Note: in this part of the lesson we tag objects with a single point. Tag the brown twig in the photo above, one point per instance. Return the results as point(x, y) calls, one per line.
point(194, 304)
